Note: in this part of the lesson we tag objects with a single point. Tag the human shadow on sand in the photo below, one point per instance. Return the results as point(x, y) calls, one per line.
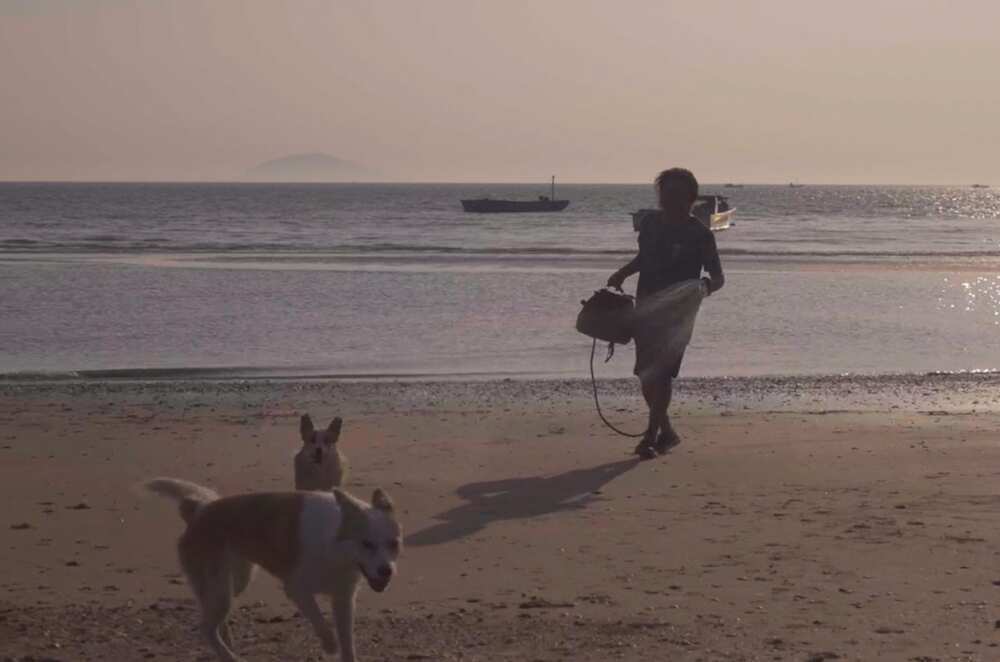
point(518, 498)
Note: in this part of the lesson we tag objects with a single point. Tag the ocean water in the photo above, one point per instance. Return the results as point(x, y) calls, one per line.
point(239, 280)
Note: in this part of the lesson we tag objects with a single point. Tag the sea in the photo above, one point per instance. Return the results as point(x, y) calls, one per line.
point(395, 281)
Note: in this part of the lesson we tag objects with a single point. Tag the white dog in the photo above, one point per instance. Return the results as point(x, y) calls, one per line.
point(319, 464)
point(315, 543)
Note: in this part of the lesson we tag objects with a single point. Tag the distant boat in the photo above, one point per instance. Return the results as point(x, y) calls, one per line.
point(980, 186)
point(713, 211)
point(544, 203)
point(732, 186)
point(794, 185)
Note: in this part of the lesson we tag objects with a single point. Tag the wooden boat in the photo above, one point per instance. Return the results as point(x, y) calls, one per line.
point(544, 203)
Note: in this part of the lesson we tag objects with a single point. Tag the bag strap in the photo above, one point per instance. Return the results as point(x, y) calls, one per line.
point(597, 403)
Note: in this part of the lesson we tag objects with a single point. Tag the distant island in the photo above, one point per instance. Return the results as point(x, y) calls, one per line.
point(315, 167)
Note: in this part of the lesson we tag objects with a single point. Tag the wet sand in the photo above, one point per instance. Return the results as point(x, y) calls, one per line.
point(801, 519)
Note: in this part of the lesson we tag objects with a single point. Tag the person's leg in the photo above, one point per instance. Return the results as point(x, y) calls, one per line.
point(647, 393)
point(665, 427)
point(668, 389)
point(657, 395)
point(667, 437)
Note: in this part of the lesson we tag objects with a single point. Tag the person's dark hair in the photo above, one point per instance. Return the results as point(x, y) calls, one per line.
point(677, 174)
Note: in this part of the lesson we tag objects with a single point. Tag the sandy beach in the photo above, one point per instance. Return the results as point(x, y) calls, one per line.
point(217, 217)
point(801, 519)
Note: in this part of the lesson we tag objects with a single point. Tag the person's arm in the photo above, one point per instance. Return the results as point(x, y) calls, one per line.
point(618, 277)
point(713, 265)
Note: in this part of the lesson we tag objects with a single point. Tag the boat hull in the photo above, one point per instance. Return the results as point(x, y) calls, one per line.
point(490, 206)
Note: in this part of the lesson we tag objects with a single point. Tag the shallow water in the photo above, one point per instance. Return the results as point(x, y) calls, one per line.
point(396, 280)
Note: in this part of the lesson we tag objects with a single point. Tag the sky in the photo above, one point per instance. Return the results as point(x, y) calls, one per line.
point(867, 92)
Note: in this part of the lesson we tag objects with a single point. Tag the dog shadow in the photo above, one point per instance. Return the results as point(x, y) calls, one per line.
point(518, 498)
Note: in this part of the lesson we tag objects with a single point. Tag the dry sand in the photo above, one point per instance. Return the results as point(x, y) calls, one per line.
point(801, 519)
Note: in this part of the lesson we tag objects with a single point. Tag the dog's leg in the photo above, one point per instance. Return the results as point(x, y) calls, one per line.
point(209, 576)
point(343, 613)
point(226, 634)
point(243, 572)
point(306, 603)
point(215, 604)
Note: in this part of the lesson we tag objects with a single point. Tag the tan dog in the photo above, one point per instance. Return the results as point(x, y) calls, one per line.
point(319, 464)
point(315, 543)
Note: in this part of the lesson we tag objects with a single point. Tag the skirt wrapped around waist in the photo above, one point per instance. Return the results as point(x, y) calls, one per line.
point(662, 325)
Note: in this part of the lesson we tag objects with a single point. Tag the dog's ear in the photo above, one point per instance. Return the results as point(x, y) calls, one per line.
point(382, 501)
point(306, 428)
point(333, 431)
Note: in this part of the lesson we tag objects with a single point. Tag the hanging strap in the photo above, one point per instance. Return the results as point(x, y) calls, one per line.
point(593, 381)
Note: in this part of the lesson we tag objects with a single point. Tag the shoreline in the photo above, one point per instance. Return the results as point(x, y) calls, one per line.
point(970, 392)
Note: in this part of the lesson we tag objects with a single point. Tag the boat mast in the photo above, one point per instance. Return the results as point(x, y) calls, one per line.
point(553, 188)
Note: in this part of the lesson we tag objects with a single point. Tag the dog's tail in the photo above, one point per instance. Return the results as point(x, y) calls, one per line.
point(189, 497)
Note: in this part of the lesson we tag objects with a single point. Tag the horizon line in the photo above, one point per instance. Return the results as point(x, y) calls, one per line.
point(730, 183)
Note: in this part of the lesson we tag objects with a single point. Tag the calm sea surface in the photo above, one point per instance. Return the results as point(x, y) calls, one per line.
point(341, 279)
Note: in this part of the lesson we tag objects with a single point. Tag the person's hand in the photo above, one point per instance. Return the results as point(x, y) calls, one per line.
point(616, 280)
point(706, 287)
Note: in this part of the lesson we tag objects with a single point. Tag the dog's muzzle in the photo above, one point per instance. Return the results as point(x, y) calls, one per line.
point(318, 456)
point(380, 582)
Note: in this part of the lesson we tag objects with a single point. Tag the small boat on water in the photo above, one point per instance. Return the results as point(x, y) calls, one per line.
point(980, 186)
point(713, 211)
point(544, 203)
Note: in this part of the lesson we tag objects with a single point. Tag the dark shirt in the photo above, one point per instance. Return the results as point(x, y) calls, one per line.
point(671, 252)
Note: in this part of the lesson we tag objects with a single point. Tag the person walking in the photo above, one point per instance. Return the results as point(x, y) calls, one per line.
point(674, 247)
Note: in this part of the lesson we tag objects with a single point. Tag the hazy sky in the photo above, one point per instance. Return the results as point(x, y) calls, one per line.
point(872, 91)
